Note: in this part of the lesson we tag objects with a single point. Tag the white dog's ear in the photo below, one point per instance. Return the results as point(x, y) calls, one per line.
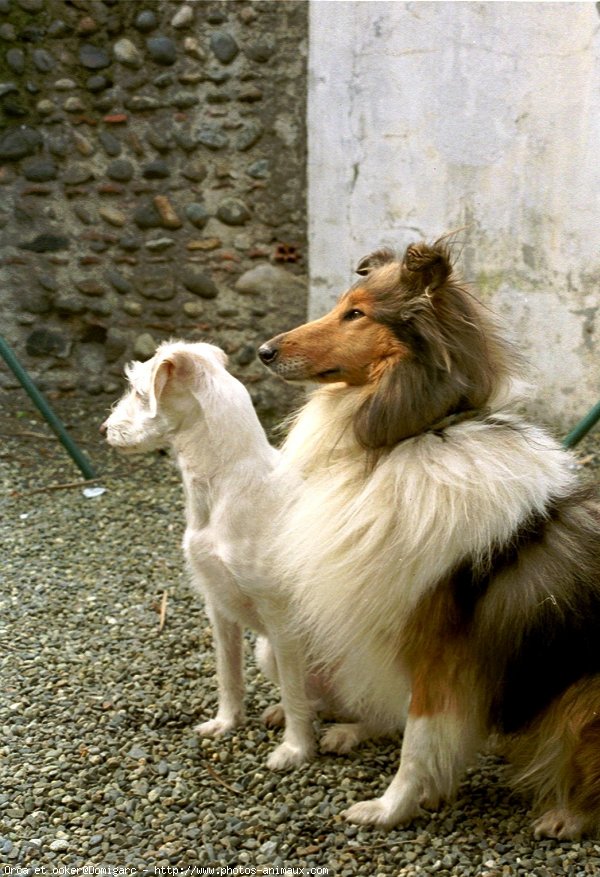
point(161, 373)
point(220, 355)
point(176, 365)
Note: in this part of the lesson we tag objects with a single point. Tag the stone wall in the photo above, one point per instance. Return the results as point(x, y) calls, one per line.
point(152, 183)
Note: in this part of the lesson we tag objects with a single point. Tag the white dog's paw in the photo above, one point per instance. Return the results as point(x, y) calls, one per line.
point(340, 739)
point(218, 726)
point(559, 823)
point(286, 756)
point(376, 812)
point(273, 716)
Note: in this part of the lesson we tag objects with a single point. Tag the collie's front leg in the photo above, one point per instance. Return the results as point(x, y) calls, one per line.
point(435, 751)
point(230, 676)
point(299, 740)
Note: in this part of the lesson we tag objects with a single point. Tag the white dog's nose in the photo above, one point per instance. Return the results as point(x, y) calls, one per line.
point(103, 427)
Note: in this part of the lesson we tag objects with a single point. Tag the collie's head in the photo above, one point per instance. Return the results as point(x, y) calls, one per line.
point(416, 345)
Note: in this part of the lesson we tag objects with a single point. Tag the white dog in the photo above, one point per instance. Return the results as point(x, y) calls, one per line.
point(185, 398)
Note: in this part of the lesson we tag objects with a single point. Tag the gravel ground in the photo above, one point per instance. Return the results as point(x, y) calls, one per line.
point(100, 762)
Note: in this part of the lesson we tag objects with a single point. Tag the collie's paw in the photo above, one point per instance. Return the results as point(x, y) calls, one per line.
point(372, 812)
point(376, 812)
point(559, 823)
point(340, 739)
point(218, 726)
point(273, 716)
point(286, 756)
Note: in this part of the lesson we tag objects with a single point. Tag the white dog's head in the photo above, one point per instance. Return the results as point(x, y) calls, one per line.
point(160, 397)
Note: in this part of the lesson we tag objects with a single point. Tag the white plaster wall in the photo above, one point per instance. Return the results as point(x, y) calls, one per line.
point(425, 117)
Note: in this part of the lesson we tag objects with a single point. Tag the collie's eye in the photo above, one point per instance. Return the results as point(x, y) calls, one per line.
point(354, 314)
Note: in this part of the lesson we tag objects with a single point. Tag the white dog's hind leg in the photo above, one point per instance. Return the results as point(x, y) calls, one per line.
point(230, 676)
point(265, 658)
point(341, 738)
point(273, 716)
point(298, 742)
point(435, 751)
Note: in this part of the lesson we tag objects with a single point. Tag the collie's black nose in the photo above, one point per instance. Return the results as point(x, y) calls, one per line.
point(268, 353)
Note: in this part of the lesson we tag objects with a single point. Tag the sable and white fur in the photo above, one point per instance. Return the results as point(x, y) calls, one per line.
point(185, 398)
point(440, 544)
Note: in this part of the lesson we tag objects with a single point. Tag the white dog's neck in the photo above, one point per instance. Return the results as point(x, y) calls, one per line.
point(221, 449)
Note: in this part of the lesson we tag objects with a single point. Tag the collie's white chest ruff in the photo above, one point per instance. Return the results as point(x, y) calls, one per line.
point(364, 547)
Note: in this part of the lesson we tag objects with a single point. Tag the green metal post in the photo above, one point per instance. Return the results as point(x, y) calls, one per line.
point(583, 427)
point(41, 402)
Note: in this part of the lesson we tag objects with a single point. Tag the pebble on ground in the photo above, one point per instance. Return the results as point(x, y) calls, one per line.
point(100, 762)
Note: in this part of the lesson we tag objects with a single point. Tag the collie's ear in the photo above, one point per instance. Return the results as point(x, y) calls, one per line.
point(374, 260)
point(407, 400)
point(425, 267)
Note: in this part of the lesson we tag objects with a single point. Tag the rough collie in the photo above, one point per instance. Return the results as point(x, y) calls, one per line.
point(441, 544)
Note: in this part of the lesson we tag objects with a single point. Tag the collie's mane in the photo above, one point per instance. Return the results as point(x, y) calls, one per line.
point(457, 359)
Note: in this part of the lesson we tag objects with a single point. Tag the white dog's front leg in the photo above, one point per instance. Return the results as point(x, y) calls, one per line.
point(435, 751)
point(298, 741)
point(230, 676)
